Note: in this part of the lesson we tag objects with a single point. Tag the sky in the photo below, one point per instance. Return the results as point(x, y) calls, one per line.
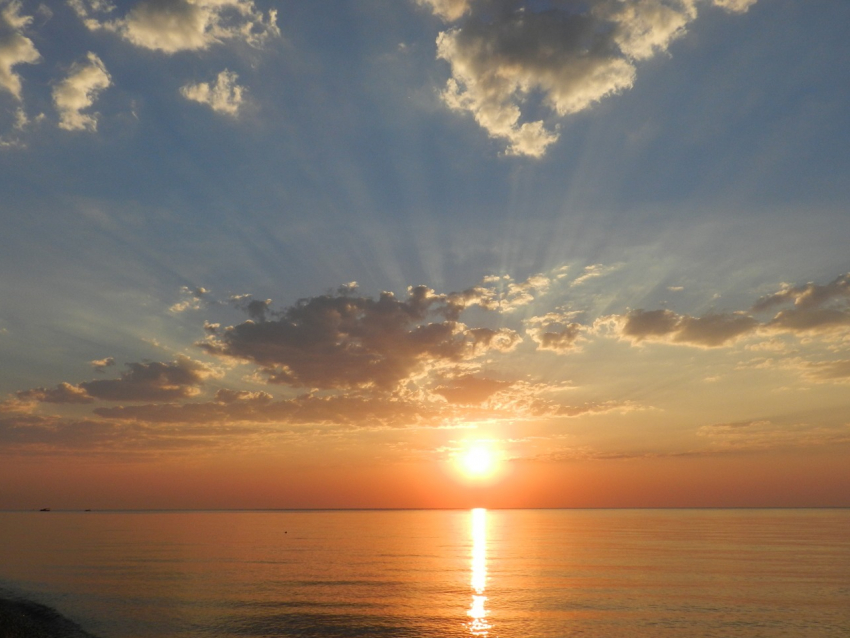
point(315, 253)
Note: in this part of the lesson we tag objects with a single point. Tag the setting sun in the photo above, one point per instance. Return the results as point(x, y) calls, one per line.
point(478, 462)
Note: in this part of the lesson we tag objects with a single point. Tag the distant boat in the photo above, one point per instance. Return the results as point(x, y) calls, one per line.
point(44, 509)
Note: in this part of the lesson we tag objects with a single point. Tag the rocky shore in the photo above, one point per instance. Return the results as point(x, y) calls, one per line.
point(25, 619)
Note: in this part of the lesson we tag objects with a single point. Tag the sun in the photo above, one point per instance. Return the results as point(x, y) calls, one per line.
point(478, 461)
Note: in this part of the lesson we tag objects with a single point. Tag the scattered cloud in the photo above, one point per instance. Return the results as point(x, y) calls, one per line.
point(504, 54)
point(171, 26)
point(191, 299)
point(15, 47)
point(225, 96)
point(78, 92)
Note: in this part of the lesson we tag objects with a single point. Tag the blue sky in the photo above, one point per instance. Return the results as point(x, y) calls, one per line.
point(679, 156)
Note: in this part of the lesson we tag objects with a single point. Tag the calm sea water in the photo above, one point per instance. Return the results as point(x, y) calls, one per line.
point(497, 573)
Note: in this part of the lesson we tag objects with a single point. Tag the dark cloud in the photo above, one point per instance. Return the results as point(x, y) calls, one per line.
point(346, 341)
point(815, 307)
point(62, 393)
point(708, 331)
point(151, 381)
point(148, 381)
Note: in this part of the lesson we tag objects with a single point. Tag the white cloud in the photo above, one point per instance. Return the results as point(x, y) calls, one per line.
point(225, 96)
point(505, 53)
point(182, 25)
point(78, 92)
point(735, 6)
point(448, 10)
point(15, 47)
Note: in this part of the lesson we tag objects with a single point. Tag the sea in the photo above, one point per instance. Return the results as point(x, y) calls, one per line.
point(683, 573)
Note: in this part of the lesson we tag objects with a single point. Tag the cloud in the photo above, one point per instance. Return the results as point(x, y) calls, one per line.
point(602, 407)
point(593, 271)
point(816, 308)
point(503, 54)
point(555, 331)
point(501, 292)
point(100, 365)
point(258, 407)
point(448, 10)
point(171, 26)
point(78, 92)
point(191, 299)
point(708, 331)
point(15, 47)
point(834, 371)
point(62, 393)
point(735, 6)
point(471, 390)
point(347, 341)
point(765, 435)
point(148, 381)
point(225, 96)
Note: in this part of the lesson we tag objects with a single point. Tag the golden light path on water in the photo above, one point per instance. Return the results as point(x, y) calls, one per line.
point(478, 625)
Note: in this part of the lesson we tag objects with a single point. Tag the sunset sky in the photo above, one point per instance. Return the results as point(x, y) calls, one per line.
point(314, 253)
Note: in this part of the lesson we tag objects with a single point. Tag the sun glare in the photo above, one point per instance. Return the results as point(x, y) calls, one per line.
point(478, 461)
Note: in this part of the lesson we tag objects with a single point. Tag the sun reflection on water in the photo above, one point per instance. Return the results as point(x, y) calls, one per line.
point(478, 625)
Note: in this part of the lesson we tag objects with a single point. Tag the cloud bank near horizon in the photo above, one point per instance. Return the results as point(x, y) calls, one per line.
point(428, 360)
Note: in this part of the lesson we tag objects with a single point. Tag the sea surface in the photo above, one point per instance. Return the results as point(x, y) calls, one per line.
point(435, 573)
